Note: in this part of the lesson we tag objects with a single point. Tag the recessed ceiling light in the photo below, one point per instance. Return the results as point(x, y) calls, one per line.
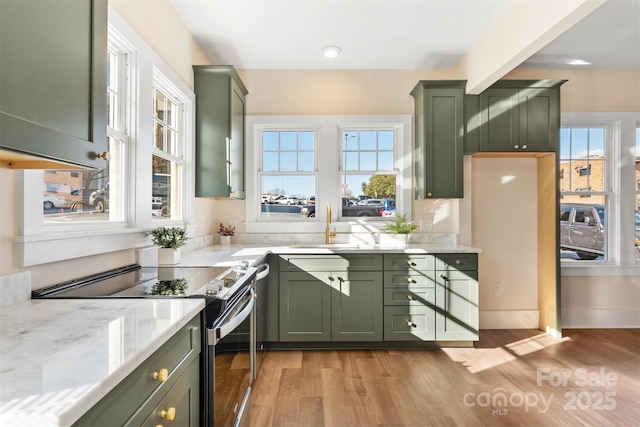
point(578, 62)
point(331, 51)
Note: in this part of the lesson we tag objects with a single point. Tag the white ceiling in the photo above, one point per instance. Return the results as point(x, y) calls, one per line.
point(392, 34)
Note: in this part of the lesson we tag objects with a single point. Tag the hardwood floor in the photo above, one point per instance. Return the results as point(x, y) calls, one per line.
point(510, 378)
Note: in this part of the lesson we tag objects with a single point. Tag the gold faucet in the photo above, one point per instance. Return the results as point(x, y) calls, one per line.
point(328, 233)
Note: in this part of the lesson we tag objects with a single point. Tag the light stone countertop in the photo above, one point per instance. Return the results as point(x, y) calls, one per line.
point(60, 357)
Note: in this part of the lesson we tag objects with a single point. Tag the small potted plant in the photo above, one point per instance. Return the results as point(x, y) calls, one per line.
point(169, 241)
point(402, 228)
point(225, 232)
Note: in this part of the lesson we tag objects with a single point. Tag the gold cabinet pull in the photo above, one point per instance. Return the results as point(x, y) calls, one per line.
point(105, 155)
point(161, 376)
point(170, 414)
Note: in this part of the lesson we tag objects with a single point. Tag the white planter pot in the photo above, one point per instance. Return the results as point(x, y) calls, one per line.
point(168, 256)
point(225, 240)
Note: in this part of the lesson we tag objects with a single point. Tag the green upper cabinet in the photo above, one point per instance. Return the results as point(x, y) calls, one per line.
point(53, 81)
point(439, 138)
point(220, 139)
point(514, 116)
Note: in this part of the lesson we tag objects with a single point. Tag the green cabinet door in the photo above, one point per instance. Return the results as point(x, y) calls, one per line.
point(220, 135)
point(457, 305)
point(180, 406)
point(356, 307)
point(305, 307)
point(499, 119)
point(53, 80)
point(516, 116)
point(439, 139)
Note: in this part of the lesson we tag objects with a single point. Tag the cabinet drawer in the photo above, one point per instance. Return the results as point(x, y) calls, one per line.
point(409, 323)
point(411, 279)
point(457, 262)
point(410, 296)
point(337, 262)
point(409, 262)
point(182, 401)
point(174, 356)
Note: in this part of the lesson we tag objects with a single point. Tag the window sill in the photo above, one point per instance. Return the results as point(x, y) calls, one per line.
point(62, 246)
point(601, 269)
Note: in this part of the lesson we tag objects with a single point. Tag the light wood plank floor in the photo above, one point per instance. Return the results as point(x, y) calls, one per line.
point(510, 378)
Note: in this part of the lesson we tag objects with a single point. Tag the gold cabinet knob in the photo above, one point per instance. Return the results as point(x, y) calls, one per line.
point(458, 262)
point(429, 194)
point(411, 263)
point(410, 297)
point(410, 323)
point(524, 147)
point(410, 280)
point(105, 155)
point(161, 376)
point(170, 414)
point(515, 147)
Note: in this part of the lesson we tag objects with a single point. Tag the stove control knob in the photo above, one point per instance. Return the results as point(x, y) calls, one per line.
point(161, 376)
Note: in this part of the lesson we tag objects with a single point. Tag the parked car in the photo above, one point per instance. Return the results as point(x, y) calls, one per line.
point(582, 229)
point(54, 201)
point(388, 209)
point(99, 199)
point(288, 200)
point(370, 202)
point(351, 210)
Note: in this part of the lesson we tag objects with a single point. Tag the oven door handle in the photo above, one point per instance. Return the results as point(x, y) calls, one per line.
point(214, 335)
point(263, 271)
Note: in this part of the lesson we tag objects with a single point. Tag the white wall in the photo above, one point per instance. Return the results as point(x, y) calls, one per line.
point(505, 226)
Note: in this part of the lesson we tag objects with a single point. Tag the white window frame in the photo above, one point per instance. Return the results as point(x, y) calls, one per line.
point(396, 171)
point(183, 135)
point(328, 164)
point(260, 173)
point(39, 243)
point(620, 145)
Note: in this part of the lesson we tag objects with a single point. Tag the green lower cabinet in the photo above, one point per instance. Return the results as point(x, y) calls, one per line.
point(409, 323)
point(457, 306)
point(180, 406)
point(326, 306)
point(169, 378)
point(356, 307)
point(305, 308)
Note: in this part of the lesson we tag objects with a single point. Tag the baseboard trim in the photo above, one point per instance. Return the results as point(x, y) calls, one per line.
point(584, 318)
point(509, 319)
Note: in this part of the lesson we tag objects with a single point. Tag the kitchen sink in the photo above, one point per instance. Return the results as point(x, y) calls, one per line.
point(345, 246)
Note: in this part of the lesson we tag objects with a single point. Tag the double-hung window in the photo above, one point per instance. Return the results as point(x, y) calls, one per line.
point(368, 172)
point(599, 193)
point(288, 175)
point(584, 186)
point(96, 195)
point(299, 165)
point(168, 151)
